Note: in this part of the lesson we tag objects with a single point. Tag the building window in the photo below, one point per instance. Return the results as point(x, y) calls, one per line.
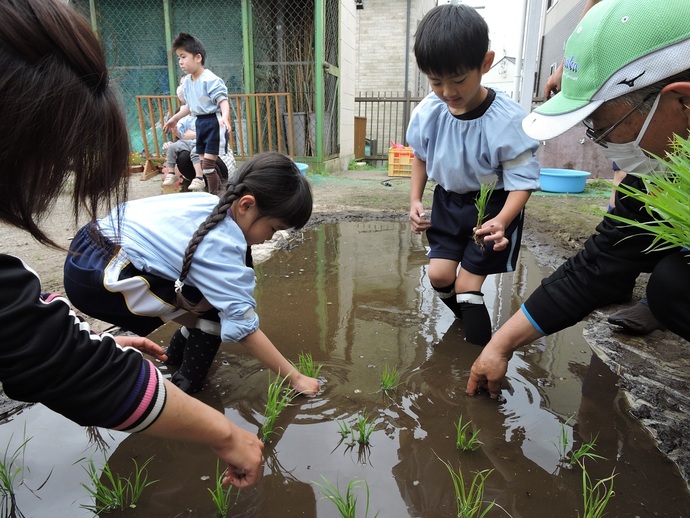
point(550, 4)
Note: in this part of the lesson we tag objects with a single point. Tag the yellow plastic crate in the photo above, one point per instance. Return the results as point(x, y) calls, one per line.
point(400, 161)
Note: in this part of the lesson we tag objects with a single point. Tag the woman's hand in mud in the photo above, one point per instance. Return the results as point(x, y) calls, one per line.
point(419, 221)
point(493, 230)
point(142, 344)
point(488, 371)
point(244, 457)
point(305, 385)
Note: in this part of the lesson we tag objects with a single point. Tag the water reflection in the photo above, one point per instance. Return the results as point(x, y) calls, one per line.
point(356, 296)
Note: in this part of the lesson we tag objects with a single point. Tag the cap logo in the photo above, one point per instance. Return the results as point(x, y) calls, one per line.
point(570, 64)
point(631, 82)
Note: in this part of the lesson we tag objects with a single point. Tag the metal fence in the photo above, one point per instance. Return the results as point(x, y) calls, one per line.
point(263, 46)
point(387, 116)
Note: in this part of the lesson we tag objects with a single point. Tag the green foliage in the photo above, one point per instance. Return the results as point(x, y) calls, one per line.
point(470, 499)
point(221, 495)
point(486, 188)
point(115, 493)
point(665, 198)
point(305, 365)
point(279, 398)
point(585, 451)
point(390, 378)
point(344, 429)
point(11, 467)
point(364, 430)
point(595, 497)
point(347, 503)
point(463, 441)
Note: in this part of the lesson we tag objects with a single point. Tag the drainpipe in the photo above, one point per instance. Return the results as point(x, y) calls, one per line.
point(406, 106)
point(517, 87)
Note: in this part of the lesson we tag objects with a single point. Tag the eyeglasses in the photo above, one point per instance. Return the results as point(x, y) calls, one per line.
point(591, 133)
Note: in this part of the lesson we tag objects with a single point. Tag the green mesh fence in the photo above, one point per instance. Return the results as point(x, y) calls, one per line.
point(282, 56)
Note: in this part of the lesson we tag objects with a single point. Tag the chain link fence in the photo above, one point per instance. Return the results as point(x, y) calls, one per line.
point(282, 35)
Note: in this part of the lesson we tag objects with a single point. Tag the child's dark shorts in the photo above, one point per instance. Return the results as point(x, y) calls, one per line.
point(450, 235)
point(207, 134)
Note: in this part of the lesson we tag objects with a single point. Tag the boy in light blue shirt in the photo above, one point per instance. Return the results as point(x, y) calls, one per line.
point(465, 135)
point(207, 99)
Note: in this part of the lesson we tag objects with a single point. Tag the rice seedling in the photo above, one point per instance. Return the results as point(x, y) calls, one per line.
point(11, 467)
point(665, 198)
point(470, 499)
point(305, 365)
point(463, 441)
point(221, 495)
point(279, 398)
point(115, 493)
point(390, 378)
point(586, 450)
point(486, 188)
point(344, 429)
point(595, 497)
point(364, 430)
point(345, 504)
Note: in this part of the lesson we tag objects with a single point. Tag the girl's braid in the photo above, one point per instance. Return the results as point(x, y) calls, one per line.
point(220, 211)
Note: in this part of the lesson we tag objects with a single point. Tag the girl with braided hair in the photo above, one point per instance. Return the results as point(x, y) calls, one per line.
point(187, 258)
point(57, 98)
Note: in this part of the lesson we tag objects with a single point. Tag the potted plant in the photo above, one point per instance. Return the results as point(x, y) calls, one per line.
point(136, 163)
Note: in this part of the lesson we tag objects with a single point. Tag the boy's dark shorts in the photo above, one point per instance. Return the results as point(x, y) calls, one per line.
point(207, 134)
point(450, 235)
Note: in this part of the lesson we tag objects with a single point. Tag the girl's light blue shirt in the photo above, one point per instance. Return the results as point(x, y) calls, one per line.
point(155, 233)
point(459, 152)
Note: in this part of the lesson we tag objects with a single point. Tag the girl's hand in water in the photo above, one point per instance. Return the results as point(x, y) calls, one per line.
point(305, 385)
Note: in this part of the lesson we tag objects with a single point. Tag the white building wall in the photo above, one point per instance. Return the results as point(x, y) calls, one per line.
point(348, 80)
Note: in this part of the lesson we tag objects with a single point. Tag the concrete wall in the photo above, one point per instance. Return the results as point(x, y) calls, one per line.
point(382, 45)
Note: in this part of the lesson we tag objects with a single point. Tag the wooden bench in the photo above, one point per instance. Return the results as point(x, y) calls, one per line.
point(260, 122)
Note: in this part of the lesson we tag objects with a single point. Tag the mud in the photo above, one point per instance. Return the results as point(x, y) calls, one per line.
point(651, 373)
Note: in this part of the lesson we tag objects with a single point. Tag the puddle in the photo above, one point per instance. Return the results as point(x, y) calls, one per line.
point(356, 296)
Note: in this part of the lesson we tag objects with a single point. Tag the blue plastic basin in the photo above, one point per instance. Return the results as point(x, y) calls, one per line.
point(302, 168)
point(562, 180)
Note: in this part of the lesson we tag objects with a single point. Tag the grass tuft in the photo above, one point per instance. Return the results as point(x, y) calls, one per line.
point(115, 493)
point(279, 398)
point(346, 504)
point(462, 440)
point(221, 495)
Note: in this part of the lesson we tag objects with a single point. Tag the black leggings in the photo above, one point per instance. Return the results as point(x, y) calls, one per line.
point(184, 163)
point(668, 293)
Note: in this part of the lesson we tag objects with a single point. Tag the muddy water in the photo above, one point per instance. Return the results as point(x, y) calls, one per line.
point(356, 296)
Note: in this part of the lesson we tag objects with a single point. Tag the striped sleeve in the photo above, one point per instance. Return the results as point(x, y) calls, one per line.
point(48, 355)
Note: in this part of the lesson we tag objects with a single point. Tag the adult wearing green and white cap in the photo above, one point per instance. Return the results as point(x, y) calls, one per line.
point(627, 77)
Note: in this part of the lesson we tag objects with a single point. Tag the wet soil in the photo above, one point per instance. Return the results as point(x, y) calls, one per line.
point(344, 297)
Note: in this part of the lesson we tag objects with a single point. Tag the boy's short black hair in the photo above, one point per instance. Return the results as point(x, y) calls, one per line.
point(451, 39)
point(190, 44)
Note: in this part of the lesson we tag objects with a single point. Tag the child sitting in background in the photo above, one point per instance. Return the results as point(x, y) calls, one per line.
point(192, 266)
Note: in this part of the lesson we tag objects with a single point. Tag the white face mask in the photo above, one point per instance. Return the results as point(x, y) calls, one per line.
point(630, 157)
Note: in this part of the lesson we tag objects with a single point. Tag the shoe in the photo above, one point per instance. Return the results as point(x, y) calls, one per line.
point(170, 179)
point(197, 184)
point(636, 320)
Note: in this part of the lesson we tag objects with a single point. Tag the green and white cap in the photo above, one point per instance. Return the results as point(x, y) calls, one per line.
point(618, 47)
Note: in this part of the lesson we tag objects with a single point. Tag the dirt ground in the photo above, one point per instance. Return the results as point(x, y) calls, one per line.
point(654, 370)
